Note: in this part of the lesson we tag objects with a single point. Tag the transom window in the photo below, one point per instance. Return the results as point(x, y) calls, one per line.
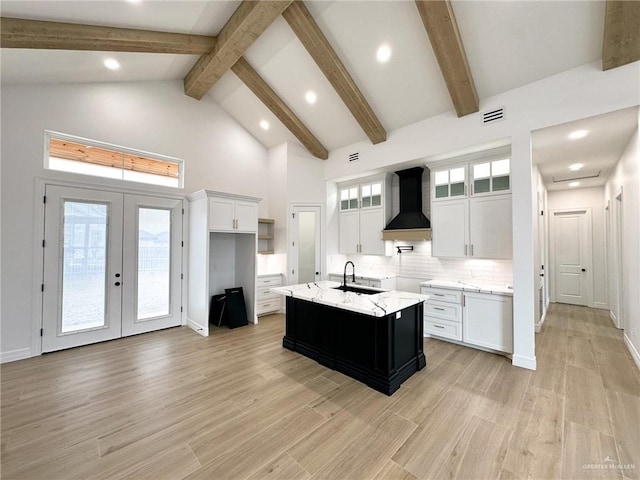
point(66, 153)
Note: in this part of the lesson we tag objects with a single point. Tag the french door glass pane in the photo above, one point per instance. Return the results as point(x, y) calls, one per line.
point(84, 260)
point(154, 262)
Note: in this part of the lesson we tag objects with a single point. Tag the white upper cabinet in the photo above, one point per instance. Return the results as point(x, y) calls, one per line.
point(449, 226)
point(364, 212)
point(490, 223)
point(228, 214)
point(471, 209)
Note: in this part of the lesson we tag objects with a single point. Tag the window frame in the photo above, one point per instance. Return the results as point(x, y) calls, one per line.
point(50, 134)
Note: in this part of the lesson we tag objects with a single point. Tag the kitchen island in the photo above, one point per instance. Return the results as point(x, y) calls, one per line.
point(371, 335)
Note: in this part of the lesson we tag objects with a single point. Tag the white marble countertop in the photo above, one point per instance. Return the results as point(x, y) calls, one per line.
point(469, 287)
point(366, 276)
point(376, 305)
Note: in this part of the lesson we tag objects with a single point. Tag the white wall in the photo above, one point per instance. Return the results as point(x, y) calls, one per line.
point(592, 198)
point(627, 176)
point(151, 116)
point(578, 93)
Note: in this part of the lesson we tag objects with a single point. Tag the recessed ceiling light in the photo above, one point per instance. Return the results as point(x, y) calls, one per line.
point(578, 134)
point(311, 97)
point(383, 54)
point(575, 166)
point(112, 64)
point(264, 125)
point(574, 184)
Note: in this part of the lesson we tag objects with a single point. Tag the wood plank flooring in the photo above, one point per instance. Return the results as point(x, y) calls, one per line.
point(174, 405)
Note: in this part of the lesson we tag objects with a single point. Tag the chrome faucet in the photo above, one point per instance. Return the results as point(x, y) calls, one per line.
point(353, 273)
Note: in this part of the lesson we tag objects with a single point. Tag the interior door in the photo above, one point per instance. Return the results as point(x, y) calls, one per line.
point(151, 273)
point(82, 275)
point(572, 257)
point(304, 252)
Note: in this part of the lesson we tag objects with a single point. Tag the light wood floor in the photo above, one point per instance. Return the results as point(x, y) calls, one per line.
point(236, 405)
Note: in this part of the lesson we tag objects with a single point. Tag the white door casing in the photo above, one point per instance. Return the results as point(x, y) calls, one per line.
point(571, 256)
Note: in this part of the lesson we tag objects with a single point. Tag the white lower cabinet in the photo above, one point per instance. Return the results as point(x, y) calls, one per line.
point(482, 320)
point(488, 321)
point(267, 302)
point(443, 313)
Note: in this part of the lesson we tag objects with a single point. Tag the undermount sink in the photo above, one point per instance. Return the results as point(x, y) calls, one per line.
point(360, 290)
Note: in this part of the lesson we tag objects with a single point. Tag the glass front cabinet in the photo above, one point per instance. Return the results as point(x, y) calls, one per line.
point(471, 211)
point(364, 212)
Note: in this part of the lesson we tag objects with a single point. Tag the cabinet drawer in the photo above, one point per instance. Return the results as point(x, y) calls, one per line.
point(443, 294)
point(269, 281)
point(268, 306)
point(442, 328)
point(443, 311)
point(265, 294)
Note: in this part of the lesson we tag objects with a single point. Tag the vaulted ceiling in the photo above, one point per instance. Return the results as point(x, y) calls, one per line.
point(258, 60)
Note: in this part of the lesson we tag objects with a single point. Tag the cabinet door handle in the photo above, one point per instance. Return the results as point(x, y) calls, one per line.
point(438, 326)
point(438, 308)
point(439, 294)
point(472, 249)
point(465, 249)
point(463, 301)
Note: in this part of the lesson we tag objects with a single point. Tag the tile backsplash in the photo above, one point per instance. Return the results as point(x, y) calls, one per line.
point(419, 264)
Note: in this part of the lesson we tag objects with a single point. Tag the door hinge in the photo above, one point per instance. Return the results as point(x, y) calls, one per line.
point(180, 308)
point(42, 287)
point(293, 271)
point(293, 215)
point(182, 244)
point(293, 244)
point(183, 211)
point(182, 276)
point(41, 332)
point(43, 243)
point(541, 213)
point(44, 199)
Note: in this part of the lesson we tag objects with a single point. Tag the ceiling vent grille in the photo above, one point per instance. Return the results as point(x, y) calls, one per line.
point(354, 156)
point(493, 115)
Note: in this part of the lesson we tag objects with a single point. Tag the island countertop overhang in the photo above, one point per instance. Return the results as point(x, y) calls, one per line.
point(376, 305)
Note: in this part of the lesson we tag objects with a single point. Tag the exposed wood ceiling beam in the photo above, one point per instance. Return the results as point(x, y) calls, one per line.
point(621, 33)
point(441, 26)
point(246, 24)
point(21, 33)
point(309, 33)
point(265, 93)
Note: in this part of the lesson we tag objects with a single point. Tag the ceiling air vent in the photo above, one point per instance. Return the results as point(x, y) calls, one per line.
point(354, 156)
point(493, 115)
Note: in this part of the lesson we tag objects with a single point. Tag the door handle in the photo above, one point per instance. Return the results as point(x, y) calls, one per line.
point(117, 275)
point(584, 269)
point(117, 284)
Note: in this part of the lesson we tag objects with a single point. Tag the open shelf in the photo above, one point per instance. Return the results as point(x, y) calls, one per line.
point(265, 236)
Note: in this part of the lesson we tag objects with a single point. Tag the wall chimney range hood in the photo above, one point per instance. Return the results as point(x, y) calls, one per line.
point(410, 223)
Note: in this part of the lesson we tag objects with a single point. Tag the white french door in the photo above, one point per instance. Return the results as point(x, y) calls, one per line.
point(112, 266)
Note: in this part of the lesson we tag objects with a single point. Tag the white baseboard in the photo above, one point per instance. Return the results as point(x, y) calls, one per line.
point(601, 305)
point(524, 362)
point(14, 355)
point(196, 327)
point(538, 326)
point(632, 350)
point(612, 316)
